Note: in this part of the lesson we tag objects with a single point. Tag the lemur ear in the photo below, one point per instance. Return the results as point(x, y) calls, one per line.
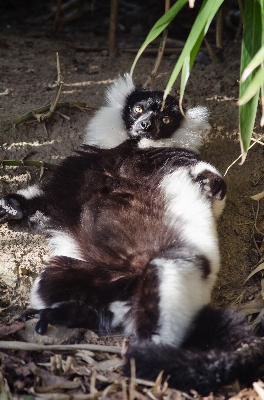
point(106, 129)
point(117, 93)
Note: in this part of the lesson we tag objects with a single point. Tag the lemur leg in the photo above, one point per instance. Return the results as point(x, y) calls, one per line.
point(173, 288)
point(220, 349)
point(71, 315)
point(71, 292)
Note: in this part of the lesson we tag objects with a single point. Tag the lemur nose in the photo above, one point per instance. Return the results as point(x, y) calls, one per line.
point(148, 122)
point(145, 124)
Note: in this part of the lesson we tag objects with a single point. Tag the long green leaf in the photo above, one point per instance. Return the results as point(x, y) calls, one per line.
point(187, 66)
point(159, 27)
point(207, 12)
point(251, 43)
point(253, 87)
point(254, 63)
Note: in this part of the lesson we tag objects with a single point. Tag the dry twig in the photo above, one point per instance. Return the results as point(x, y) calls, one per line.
point(153, 74)
point(15, 345)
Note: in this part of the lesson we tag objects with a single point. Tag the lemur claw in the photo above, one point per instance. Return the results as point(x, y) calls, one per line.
point(9, 209)
point(28, 314)
point(42, 324)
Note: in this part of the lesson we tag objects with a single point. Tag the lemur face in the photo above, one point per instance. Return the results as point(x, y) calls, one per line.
point(143, 117)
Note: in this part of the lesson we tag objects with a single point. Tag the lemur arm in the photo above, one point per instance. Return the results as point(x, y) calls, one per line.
point(22, 204)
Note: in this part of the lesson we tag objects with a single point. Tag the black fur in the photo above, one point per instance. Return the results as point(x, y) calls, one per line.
point(150, 122)
point(110, 201)
point(219, 349)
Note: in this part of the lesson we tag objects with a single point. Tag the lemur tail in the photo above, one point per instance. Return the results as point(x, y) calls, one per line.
point(219, 350)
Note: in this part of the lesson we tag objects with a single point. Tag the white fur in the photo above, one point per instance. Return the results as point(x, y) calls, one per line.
point(63, 244)
point(120, 309)
point(39, 220)
point(9, 209)
point(35, 299)
point(30, 192)
point(183, 289)
point(189, 135)
point(106, 129)
point(182, 292)
point(217, 205)
point(188, 207)
point(201, 166)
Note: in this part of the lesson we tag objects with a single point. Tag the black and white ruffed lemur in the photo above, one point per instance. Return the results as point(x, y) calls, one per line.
point(131, 223)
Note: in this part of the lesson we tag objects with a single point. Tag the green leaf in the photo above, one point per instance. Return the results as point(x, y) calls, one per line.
point(187, 66)
point(251, 43)
point(159, 26)
point(254, 63)
point(253, 88)
point(207, 12)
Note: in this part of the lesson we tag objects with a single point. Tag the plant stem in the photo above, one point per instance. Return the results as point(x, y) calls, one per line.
point(35, 113)
point(27, 163)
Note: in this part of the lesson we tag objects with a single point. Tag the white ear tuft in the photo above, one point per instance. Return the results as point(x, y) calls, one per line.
point(117, 93)
point(106, 129)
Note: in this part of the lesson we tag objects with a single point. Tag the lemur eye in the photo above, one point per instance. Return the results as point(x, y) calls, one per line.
point(138, 109)
point(166, 120)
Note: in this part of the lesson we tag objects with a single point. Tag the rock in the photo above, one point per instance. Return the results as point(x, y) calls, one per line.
point(56, 334)
point(90, 336)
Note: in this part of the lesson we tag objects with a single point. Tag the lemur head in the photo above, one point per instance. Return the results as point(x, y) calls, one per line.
point(134, 112)
point(143, 116)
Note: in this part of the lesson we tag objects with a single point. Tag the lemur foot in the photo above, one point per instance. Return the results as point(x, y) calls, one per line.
point(9, 209)
point(43, 315)
point(213, 184)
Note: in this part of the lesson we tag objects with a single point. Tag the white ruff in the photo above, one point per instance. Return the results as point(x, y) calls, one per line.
point(189, 135)
point(106, 129)
point(62, 244)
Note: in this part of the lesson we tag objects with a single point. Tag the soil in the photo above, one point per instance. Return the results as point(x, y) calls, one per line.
point(28, 74)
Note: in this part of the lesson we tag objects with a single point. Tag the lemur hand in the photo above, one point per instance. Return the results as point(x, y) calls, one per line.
point(212, 183)
point(9, 209)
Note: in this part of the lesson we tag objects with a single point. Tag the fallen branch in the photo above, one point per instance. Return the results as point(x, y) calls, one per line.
point(16, 345)
point(37, 114)
point(27, 163)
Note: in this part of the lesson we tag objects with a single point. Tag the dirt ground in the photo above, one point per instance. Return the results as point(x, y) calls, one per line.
point(27, 82)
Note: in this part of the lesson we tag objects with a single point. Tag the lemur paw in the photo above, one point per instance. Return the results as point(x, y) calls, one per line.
point(213, 184)
point(30, 313)
point(42, 324)
point(9, 209)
